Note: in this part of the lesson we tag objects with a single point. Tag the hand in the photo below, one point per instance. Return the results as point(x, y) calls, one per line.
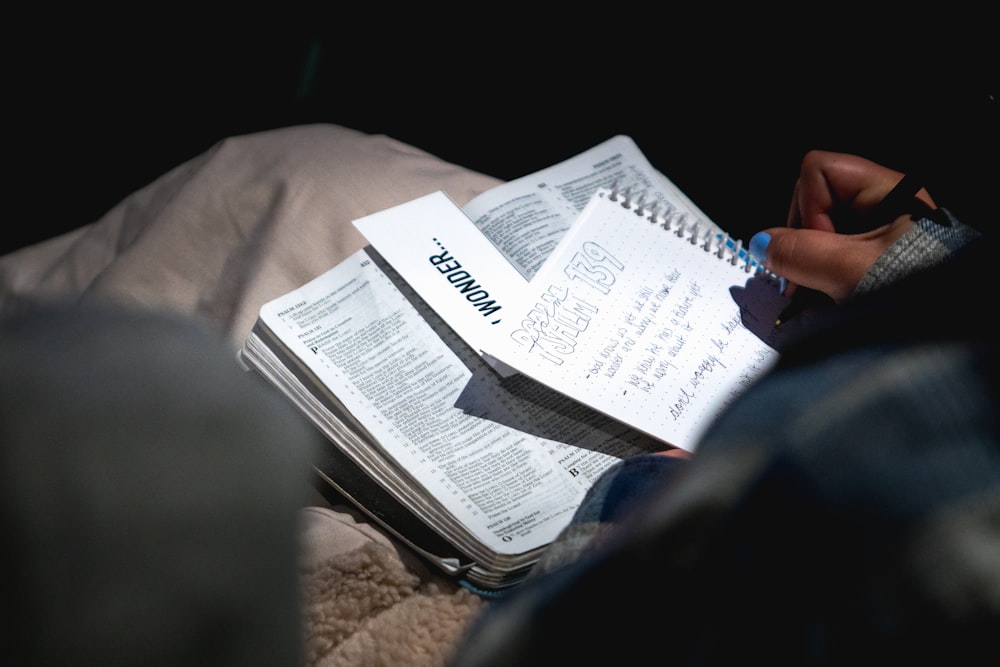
point(675, 452)
point(832, 191)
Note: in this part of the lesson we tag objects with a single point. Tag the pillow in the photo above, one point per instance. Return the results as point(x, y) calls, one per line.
point(248, 220)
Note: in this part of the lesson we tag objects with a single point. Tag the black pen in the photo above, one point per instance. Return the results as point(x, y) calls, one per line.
point(902, 199)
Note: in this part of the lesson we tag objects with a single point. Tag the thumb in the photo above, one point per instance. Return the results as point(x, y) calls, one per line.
point(825, 261)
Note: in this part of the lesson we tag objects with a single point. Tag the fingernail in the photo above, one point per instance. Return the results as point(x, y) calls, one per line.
point(758, 246)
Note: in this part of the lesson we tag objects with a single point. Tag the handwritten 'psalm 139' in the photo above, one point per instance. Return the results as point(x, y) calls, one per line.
point(551, 328)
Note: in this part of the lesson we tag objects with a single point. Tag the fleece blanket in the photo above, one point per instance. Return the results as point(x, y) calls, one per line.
point(216, 237)
point(367, 602)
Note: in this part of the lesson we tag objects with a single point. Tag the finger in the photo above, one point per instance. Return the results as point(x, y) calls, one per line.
point(830, 263)
point(812, 198)
point(834, 189)
point(795, 208)
point(676, 452)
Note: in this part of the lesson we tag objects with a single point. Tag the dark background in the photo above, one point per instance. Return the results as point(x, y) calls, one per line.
point(724, 108)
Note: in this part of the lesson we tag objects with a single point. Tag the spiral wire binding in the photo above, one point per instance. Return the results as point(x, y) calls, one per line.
point(685, 226)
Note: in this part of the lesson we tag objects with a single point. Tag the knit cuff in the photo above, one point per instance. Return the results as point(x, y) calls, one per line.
point(924, 245)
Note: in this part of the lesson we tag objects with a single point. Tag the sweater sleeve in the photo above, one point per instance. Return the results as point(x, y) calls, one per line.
point(928, 243)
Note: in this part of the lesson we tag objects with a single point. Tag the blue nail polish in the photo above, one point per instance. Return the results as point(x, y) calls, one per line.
point(758, 246)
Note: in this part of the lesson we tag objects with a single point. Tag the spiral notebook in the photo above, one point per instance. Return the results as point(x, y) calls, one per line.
point(647, 314)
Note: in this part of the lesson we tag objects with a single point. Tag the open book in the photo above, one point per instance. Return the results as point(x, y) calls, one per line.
point(437, 428)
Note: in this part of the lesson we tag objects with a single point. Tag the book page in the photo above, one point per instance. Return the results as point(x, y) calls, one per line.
point(525, 218)
point(644, 323)
point(368, 345)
